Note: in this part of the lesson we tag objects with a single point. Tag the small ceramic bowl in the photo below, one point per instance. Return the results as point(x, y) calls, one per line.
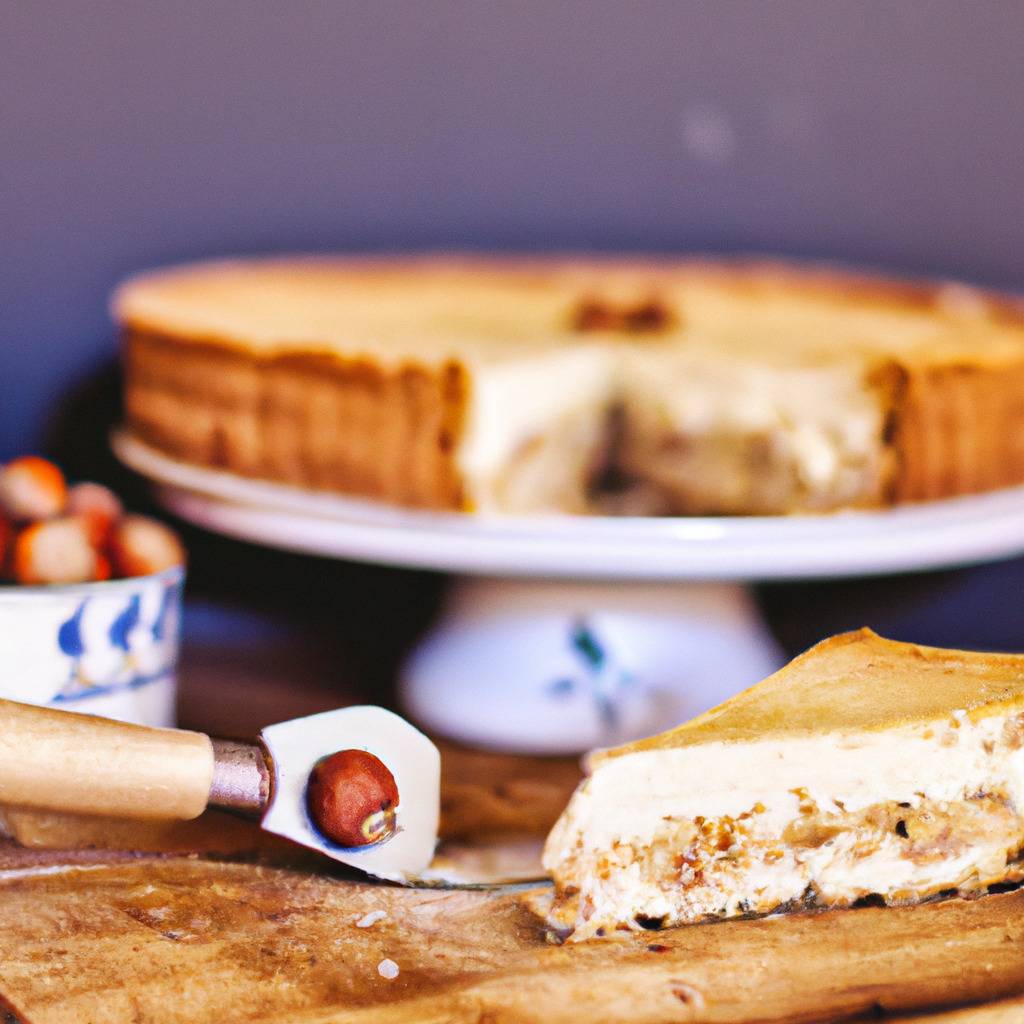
point(107, 648)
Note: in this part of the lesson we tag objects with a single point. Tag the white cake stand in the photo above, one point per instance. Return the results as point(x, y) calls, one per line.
point(563, 633)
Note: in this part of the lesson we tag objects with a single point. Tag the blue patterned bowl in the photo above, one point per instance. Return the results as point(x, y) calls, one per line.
point(106, 648)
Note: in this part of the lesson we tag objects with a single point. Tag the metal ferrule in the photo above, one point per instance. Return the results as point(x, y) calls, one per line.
point(241, 780)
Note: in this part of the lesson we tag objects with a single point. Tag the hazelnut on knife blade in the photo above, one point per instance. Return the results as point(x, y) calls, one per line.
point(352, 798)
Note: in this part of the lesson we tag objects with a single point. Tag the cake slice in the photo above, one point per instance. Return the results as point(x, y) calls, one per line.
point(864, 768)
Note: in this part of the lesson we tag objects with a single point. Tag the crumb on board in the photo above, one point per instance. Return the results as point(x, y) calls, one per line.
point(387, 969)
point(370, 919)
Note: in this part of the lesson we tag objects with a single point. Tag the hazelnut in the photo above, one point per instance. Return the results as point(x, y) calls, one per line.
point(32, 488)
point(140, 546)
point(54, 551)
point(352, 797)
point(97, 506)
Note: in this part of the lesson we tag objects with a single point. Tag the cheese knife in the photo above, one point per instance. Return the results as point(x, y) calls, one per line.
point(359, 784)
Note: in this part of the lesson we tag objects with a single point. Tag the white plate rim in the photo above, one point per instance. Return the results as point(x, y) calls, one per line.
point(939, 534)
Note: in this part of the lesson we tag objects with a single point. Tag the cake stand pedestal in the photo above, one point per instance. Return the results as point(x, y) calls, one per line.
point(563, 633)
point(550, 667)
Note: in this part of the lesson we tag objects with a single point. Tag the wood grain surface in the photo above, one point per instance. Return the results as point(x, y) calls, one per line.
point(193, 940)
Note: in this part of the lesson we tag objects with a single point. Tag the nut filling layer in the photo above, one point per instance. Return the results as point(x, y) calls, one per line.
point(708, 868)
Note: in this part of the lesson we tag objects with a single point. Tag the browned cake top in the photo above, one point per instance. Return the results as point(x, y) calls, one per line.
point(477, 308)
point(856, 682)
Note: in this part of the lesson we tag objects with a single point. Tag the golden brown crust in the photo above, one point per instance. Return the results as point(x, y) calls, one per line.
point(311, 420)
point(956, 429)
point(744, 272)
point(854, 683)
point(838, 282)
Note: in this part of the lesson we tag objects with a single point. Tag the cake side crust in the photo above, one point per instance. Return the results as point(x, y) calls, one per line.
point(957, 428)
point(311, 420)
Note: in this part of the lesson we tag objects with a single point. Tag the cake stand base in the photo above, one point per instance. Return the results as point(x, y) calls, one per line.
point(553, 667)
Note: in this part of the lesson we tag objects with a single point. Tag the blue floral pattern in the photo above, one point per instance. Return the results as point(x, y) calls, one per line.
point(601, 674)
point(120, 648)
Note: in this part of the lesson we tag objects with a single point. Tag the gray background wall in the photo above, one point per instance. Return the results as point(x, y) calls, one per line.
point(132, 134)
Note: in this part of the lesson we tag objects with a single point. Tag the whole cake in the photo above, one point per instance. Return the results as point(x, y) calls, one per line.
point(578, 385)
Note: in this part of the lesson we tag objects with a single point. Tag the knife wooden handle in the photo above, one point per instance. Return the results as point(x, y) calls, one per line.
point(63, 761)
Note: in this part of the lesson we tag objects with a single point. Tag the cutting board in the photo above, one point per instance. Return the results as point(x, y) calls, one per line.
point(217, 923)
point(180, 939)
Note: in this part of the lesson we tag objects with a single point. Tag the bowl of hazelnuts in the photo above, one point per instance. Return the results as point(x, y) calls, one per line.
point(90, 598)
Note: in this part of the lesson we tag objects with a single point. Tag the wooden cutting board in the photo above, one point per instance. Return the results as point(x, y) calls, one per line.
point(186, 939)
point(226, 924)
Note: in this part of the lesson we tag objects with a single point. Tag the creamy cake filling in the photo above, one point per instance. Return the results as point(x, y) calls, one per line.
point(725, 435)
point(706, 434)
point(671, 836)
point(534, 429)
